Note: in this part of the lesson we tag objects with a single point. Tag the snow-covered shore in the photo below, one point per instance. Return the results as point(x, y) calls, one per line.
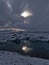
point(13, 58)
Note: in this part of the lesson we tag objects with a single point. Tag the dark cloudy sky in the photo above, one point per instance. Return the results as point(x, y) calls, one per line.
point(10, 11)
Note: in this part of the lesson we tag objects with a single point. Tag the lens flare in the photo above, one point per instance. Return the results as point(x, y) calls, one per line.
point(9, 5)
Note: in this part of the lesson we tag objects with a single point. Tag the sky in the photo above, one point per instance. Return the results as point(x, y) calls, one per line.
point(31, 15)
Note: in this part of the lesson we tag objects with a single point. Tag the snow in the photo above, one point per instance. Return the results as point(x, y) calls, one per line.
point(12, 35)
point(13, 58)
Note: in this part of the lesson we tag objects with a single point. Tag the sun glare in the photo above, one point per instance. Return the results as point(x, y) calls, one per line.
point(26, 49)
point(26, 14)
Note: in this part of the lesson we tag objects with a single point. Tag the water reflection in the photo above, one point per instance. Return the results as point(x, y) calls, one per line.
point(26, 49)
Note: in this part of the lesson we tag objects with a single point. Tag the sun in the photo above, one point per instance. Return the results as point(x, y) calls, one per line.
point(26, 14)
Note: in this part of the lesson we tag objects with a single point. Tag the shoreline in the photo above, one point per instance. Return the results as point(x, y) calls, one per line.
point(10, 58)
